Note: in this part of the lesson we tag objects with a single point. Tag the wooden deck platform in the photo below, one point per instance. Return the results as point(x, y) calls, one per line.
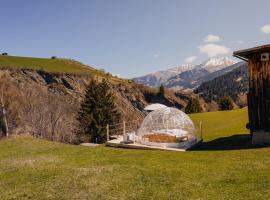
point(117, 143)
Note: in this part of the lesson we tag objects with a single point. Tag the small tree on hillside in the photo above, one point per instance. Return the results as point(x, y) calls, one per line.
point(3, 120)
point(97, 110)
point(226, 103)
point(161, 90)
point(193, 106)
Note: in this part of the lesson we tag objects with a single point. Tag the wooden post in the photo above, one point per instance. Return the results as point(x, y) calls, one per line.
point(108, 134)
point(124, 127)
point(201, 129)
point(124, 130)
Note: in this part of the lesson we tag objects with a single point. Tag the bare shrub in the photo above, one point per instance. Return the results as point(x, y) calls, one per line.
point(49, 115)
point(37, 111)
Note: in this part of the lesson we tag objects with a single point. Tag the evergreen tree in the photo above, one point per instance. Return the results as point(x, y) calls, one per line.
point(161, 90)
point(226, 103)
point(193, 106)
point(97, 110)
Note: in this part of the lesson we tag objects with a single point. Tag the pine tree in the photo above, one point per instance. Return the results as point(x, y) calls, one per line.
point(226, 103)
point(161, 90)
point(193, 106)
point(97, 110)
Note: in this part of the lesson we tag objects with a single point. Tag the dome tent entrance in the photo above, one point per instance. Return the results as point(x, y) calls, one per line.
point(167, 127)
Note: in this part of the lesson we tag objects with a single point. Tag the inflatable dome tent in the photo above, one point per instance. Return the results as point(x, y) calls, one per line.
point(167, 128)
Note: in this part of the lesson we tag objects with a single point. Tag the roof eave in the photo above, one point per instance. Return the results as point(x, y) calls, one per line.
point(245, 53)
point(240, 57)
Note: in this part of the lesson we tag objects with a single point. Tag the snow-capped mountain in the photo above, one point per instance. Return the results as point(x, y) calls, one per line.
point(215, 64)
point(194, 78)
point(189, 76)
point(157, 78)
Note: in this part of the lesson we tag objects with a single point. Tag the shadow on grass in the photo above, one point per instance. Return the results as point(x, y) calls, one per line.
point(234, 142)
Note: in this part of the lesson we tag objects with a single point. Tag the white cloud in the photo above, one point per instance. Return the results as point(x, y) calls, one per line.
point(213, 50)
point(266, 28)
point(190, 59)
point(156, 55)
point(211, 38)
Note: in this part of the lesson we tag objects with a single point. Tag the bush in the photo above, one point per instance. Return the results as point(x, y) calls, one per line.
point(102, 71)
point(108, 74)
point(226, 103)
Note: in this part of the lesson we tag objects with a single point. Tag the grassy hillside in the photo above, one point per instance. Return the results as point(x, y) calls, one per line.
point(46, 64)
point(222, 169)
point(221, 123)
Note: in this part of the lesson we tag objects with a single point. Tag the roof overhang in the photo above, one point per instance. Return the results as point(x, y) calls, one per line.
point(246, 54)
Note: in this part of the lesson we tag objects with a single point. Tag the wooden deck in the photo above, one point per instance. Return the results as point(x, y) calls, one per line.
point(117, 143)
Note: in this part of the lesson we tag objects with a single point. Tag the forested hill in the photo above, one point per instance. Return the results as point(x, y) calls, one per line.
point(233, 84)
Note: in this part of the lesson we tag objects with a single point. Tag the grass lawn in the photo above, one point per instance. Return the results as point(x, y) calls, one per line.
point(226, 167)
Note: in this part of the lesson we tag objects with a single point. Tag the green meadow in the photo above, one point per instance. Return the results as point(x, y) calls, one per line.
point(226, 166)
point(57, 65)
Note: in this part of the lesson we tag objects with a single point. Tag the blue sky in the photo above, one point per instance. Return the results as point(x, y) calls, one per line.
point(132, 37)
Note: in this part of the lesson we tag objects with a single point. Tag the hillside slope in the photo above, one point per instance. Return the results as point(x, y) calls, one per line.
point(38, 92)
point(56, 65)
point(33, 96)
point(50, 65)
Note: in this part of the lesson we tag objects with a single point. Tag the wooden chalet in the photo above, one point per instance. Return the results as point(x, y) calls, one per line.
point(258, 96)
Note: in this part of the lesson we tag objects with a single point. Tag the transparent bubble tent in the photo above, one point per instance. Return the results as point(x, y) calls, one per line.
point(168, 128)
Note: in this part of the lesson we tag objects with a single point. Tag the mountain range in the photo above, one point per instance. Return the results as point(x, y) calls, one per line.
point(188, 76)
point(155, 79)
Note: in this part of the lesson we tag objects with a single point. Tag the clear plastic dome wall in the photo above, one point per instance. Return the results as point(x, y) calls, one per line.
point(167, 127)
